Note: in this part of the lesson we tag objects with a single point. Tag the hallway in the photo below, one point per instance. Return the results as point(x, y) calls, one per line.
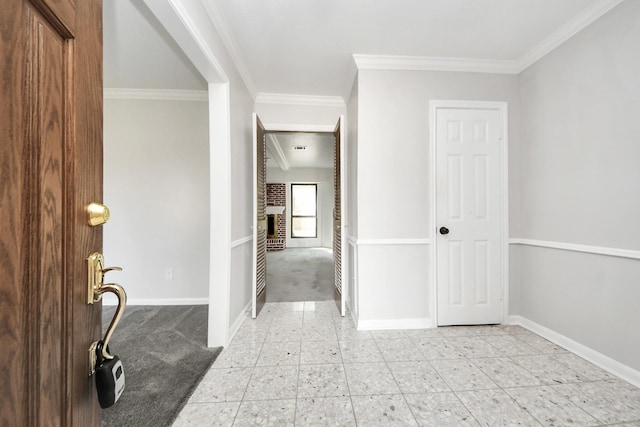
point(302, 364)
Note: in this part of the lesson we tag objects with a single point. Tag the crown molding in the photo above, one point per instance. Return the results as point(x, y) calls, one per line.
point(229, 41)
point(564, 33)
point(156, 94)
point(310, 100)
point(474, 65)
point(425, 63)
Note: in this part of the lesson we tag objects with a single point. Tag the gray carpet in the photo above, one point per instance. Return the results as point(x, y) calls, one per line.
point(163, 351)
point(300, 274)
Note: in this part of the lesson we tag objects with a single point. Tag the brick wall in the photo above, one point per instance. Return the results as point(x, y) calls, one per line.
point(277, 196)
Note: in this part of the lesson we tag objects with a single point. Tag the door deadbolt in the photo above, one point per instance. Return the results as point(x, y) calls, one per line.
point(98, 214)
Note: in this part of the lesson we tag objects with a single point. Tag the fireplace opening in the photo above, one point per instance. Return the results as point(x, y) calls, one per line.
point(272, 226)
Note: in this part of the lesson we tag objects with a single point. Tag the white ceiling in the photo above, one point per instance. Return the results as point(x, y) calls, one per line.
point(305, 47)
point(317, 152)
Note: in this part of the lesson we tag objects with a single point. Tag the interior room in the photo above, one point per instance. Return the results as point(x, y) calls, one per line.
point(475, 173)
point(566, 106)
point(300, 264)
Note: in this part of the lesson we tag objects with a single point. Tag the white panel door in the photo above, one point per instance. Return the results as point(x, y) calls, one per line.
point(469, 216)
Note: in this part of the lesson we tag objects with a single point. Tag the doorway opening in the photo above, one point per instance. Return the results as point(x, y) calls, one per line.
point(300, 201)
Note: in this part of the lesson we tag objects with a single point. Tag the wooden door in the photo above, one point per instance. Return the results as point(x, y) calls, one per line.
point(51, 169)
point(259, 295)
point(338, 232)
point(469, 216)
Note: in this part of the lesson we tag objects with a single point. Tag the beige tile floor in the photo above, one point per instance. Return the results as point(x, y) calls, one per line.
point(302, 364)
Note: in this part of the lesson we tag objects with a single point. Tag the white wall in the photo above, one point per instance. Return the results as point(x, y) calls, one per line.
point(350, 287)
point(242, 264)
point(156, 183)
point(323, 177)
point(580, 176)
point(393, 173)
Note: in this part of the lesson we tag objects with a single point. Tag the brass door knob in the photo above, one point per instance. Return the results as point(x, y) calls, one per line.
point(98, 214)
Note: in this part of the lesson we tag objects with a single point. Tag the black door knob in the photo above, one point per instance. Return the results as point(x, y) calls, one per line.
point(444, 230)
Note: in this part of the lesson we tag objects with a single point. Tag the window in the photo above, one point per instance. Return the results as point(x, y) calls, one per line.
point(304, 210)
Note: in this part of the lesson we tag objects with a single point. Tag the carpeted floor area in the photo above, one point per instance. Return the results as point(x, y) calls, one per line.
point(300, 274)
point(164, 354)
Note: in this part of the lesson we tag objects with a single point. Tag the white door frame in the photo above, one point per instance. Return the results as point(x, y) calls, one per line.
point(434, 105)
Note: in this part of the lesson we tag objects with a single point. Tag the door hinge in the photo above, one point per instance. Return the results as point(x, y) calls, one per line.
point(501, 294)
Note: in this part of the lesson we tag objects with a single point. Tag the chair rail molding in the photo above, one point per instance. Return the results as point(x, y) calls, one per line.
point(575, 247)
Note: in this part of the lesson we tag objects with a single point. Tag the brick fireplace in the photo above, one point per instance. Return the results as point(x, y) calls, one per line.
point(277, 197)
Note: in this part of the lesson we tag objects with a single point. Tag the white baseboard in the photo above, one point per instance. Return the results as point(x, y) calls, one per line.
point(235, 326)
point(372, 325)
point(112, 300)
point(605, 362)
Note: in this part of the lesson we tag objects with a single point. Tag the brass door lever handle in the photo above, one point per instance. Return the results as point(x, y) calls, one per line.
point(96, 288)
point(96, 270)
point(122, 303)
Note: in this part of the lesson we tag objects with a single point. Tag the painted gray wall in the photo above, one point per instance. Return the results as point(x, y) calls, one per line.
point(580, 183)
point(242, 264)
point(156, 183)
point(393, 172)
point(352, 198)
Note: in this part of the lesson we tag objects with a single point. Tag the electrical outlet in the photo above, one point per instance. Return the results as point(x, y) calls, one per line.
point(168, 273)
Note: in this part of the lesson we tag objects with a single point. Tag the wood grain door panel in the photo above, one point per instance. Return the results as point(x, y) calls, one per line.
point(51, 157)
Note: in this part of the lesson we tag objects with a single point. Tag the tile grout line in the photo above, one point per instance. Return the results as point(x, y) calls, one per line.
point(386, 363)
point(344, 371)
